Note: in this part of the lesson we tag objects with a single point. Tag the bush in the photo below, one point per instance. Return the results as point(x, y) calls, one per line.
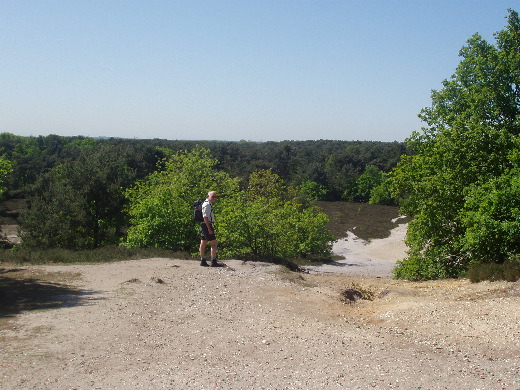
point(267, 221)
point(415, 268)
point(160, 208)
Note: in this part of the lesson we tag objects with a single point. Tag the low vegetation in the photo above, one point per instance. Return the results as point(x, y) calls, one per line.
point(356, 292)
point(508, 271)
point(106, 254)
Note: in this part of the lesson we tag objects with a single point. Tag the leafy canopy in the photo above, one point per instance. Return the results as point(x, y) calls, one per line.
point(160, 208)
point(6, 168)
point(266, 220)
point(461, 186)
point(79, 204)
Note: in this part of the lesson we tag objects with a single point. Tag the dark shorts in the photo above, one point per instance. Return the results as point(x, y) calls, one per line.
point(204, 235)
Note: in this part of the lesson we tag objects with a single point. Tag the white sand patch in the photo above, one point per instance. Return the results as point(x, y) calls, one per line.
point(376, 258)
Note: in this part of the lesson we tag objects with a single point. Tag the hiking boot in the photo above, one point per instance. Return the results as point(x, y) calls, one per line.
point(203, 263)
point(214, 263)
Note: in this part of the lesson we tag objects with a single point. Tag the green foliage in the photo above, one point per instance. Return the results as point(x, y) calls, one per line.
point(361, 190)
point(54, 215)
point(492, 219)
point(35, 156)
point(382, 194)
point(371, 178)
point(331, 164)
point(460, 185)
point(434, 266)
point(79, 204)
point(6, 168)
point(74, 185)
point(264, 184)
point(160, 208)
point(5, 171)
point(262, 222)
point(313, 191)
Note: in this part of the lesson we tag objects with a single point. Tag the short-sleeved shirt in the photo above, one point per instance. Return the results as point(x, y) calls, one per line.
point(207, 210)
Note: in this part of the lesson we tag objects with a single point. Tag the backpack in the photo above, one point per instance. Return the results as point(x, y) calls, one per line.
point(197, 211)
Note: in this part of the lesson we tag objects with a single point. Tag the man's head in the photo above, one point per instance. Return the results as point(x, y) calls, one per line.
point(212, 196)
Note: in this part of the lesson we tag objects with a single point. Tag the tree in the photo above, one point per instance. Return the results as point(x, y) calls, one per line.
point(364, 184)
point(79, 204)
point(466, 152)
point(312, 190)
point(267, 221)
point(492, 219)
point(5, 170)
point(382, 194)
point(160, 207)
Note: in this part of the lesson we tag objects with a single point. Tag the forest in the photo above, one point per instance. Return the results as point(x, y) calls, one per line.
point(334, 165)
point(81, 193)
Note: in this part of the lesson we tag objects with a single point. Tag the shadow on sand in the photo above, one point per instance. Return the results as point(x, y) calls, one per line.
point(338, 264)
point(25, 294)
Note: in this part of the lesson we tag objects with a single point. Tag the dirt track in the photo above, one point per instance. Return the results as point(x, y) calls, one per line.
point(170, 324)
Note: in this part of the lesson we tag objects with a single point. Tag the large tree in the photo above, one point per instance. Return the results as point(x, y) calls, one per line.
point(461, 185)
point(79, 204)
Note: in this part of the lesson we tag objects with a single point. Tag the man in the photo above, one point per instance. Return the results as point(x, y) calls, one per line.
point(206, 231)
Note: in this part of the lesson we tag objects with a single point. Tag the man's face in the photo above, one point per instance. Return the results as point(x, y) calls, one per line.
point(212, 198)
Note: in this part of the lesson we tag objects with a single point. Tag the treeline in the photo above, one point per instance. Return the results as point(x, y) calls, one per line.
point(83, 193)
point(97, 200)
point(333, 167)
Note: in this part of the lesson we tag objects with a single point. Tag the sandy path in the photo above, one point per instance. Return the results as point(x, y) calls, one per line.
point(250, 326)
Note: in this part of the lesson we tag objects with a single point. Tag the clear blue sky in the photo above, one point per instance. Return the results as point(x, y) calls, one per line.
point(266, 70)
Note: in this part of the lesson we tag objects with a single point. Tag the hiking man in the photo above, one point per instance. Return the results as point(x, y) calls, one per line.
point(206, 231)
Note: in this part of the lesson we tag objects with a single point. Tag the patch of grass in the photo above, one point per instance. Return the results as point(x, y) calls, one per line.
point(100, 255)
point(367, 221)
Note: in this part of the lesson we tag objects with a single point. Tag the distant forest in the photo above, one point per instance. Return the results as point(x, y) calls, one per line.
point(336, 166)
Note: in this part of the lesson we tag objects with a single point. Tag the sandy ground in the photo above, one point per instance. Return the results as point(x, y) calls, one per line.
point(376, 258)
point(171, 324)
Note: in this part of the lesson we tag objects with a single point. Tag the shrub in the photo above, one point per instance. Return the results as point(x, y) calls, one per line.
point(267, 221)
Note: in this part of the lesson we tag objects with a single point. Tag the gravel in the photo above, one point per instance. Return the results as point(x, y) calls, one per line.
point(171, 324)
